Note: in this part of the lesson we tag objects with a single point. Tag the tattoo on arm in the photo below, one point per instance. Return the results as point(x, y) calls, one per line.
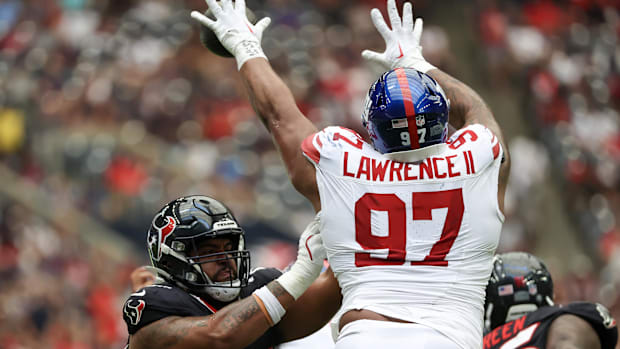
point(164, 333)
point(276, 289)
point(242, 312)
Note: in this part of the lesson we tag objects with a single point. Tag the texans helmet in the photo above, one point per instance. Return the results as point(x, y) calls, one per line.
point(406, 110)
point(520, 283)
point(175, 235)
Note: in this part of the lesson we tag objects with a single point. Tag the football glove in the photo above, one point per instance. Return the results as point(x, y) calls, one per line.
point(309, 263)
point(232, 27)
point(402, 42)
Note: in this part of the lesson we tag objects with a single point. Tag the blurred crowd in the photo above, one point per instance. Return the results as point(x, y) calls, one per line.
point(114, 108)
point(565, 59)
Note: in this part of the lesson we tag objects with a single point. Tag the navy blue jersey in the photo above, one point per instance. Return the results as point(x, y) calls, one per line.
point(158, 301)
point(531, 330)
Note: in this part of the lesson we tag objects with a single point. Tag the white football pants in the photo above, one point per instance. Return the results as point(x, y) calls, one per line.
point(375, 334)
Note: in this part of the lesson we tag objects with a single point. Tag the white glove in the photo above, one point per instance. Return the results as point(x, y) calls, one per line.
point(240, 37)
point(309, 263)
point(402, 41)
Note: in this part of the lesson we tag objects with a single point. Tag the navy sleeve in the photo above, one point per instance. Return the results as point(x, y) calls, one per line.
point(599, 318)
point(156, 302)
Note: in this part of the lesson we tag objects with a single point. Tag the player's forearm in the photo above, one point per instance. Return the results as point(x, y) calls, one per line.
point(271, 98)
point(313, 309)
point(274, 103)
point(245, 317)
point(234, 326)
point(466, 106)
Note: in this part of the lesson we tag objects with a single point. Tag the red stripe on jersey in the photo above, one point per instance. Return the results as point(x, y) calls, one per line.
point(310, 150)
point(409, 107)
point(212, 308)
point(495, 150)
point(471, 161)
point(467, 165)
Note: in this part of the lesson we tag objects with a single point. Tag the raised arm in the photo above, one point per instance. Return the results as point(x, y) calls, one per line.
point(271, 98)
point(403, 50)
point(273, 102)
point(467, 108)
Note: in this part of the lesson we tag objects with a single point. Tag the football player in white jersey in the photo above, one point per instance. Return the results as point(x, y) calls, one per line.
point(410, 220)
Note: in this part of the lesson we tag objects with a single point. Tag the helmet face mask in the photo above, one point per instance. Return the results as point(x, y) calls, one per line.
point(406, 110)
point(176, 235)
point(519, 284)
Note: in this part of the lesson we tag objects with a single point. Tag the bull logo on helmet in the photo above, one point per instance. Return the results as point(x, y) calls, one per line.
point(162, 227)
point(134, 311)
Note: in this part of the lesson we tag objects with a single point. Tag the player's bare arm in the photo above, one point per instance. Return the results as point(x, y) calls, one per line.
point(313, 309)
point(403, 50)
point(274, 103)
point(467, 108)
point(270, 97)
point(219, 331)
point(572, 332)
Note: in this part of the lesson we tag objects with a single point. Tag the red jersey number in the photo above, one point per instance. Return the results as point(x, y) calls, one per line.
point(396, 239)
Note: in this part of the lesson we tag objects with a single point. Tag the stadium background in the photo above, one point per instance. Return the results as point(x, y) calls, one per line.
point(109, 109)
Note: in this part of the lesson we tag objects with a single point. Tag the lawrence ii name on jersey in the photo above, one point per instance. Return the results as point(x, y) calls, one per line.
point(414, 241)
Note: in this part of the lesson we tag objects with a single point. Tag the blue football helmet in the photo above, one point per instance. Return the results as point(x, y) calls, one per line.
point(406, 110)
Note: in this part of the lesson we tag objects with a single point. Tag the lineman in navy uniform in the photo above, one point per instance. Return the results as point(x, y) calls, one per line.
point(207, 297)
point(519, 311)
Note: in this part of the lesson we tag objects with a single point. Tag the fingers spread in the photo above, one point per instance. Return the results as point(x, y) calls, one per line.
point(240, 7)
point(393, 14)
point(262, 24)
point(377, 20)
point(372, 56)
point(214, 7)
point(417, 30)
point(227, 5)
point(202, 19)
point(407, 17)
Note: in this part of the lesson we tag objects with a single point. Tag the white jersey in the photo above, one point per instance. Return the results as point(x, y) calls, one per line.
point(411, 240)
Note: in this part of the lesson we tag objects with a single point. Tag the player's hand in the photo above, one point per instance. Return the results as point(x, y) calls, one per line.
point(310, 256)
point(232, 27)
point(140, 278)
point(311, 247)
point(402, 42)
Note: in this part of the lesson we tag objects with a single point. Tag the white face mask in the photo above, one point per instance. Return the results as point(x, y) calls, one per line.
point(225, 291)
point(224, 294)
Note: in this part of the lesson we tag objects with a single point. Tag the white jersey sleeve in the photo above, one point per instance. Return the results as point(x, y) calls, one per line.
point(328, 145)
point(479, 143)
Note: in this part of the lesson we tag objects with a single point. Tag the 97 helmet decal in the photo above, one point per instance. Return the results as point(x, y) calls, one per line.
point(519, 284)
point(175, 235)
point(406, 110)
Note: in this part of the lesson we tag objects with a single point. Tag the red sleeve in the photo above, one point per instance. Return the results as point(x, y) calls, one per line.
point(311, 147)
